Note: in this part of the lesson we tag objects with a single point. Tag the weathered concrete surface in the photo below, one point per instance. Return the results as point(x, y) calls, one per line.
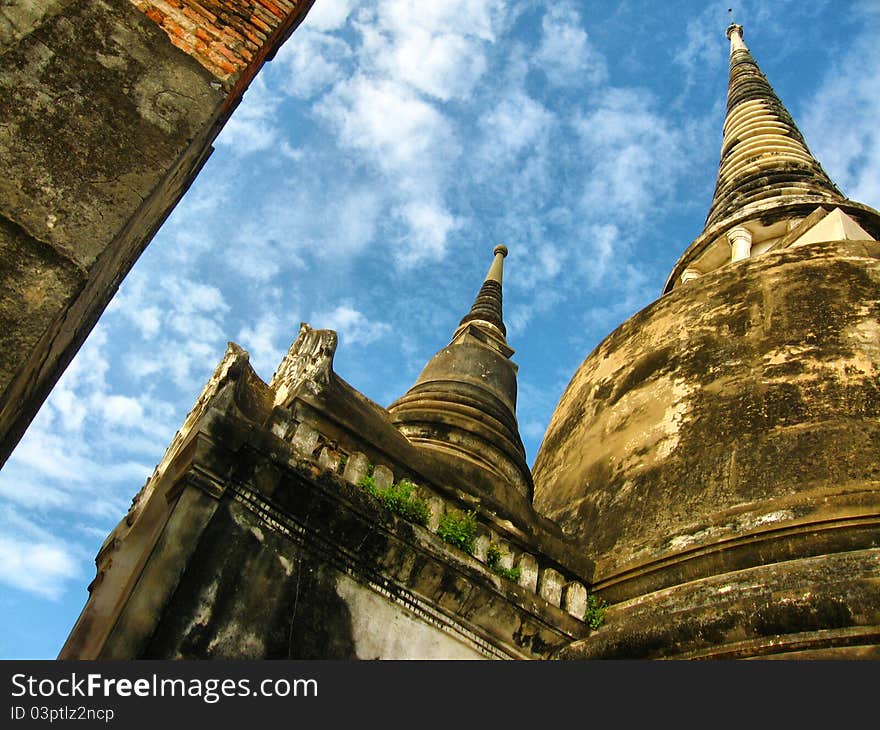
point(247, 593)
point(104, 123)
point(733, 423)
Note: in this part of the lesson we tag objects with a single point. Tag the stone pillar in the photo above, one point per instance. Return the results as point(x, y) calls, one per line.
point(689, 274)
point(329, 459)
point(436, 505)
point(550, 586)
point(575, 600)
point(506, 559)
point(383, 476)
point(481, 546)
point(305, 440)
point(740, 240)
point(356, 467)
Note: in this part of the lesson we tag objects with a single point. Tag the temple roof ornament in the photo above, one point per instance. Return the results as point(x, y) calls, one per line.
point(487, 305)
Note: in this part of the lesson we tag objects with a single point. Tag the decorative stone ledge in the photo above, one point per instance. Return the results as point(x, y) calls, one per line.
point(536, 574)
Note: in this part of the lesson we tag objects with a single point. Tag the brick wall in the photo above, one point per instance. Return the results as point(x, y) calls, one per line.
point(230, 38)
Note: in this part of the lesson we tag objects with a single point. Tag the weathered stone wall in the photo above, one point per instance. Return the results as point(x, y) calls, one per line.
point(821, 607)
point(731, 424)
point(249, 592)
point(104, 123)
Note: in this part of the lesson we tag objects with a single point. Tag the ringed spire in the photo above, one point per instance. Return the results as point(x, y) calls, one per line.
point(770, 189)
point(763, 153)
point(463, 404)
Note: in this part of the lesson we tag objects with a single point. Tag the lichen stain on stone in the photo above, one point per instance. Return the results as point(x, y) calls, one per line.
point(286, 564)
point(382, 628)
point(233, 640)
point(204, 608)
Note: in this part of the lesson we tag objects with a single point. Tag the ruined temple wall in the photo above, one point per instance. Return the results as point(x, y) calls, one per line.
point(107, 113)
point(252, 538)
point(249, 591)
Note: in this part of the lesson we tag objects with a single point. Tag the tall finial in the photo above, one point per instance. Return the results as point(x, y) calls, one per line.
point(496, 270)
point(487, 306)
point(462, 408)
point(765, 164)
point(735, 34)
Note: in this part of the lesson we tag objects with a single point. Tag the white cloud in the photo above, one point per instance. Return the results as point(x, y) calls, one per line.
point(312, 62)
point(566, 55)
point(599, 244)
point(704, 49)
point(253, 126)
point(267, 340)
point(34, 494)
point(148, 320)
point(517, 123)
point(483, 19)
point(353, 326)
point(412, 143)
point(307, 220)
point(327, 15)
point(429, 225)
point(391, 124)
point(122, 410)
point(635, 154)
point(40, 568)
point(840, 123)
point(439, 64)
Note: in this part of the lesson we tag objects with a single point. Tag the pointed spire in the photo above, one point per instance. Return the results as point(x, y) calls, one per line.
point(487, 305)
point(763, 153)
point(768, 181)
point(462, 407)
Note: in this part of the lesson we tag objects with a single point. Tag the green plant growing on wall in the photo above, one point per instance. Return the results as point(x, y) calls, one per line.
point(493, 556)
point(343, 461)
point(595, 614)
point(493, 560)
point(368, 484)
point(459, 530)
point(402, 498)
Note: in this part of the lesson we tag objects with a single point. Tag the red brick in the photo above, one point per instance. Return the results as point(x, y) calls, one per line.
point(220, 48)
point(257, 38)
point(182, 43)
point(268, 4)
point(260, 24)
point(202, 10)
point(173, 28)
point(229, 32)
point(155, 16)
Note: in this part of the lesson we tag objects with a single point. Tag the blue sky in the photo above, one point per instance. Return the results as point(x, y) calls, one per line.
point(361, 186)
